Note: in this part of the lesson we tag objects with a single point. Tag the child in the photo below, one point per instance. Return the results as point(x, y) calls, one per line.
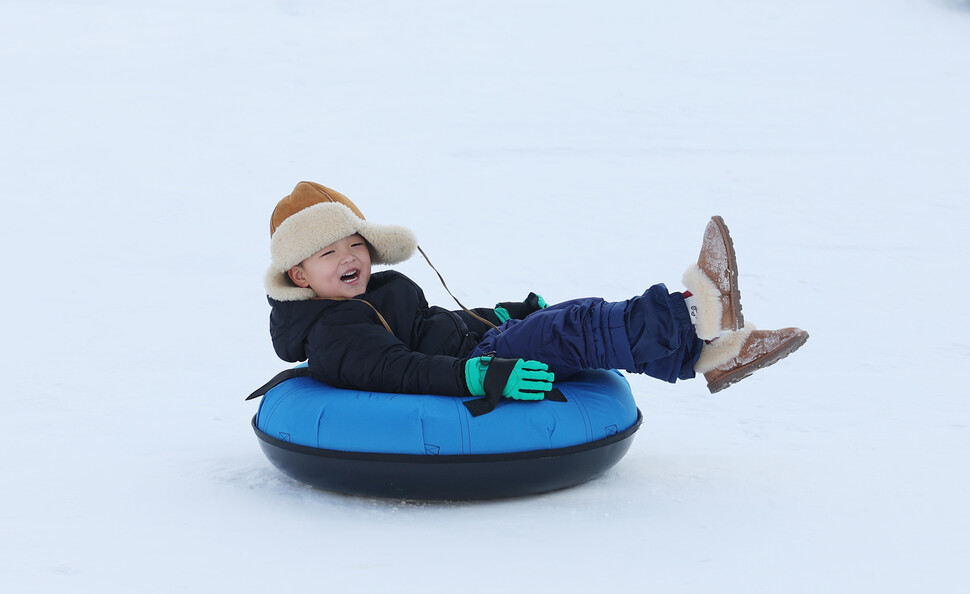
point(378, 333)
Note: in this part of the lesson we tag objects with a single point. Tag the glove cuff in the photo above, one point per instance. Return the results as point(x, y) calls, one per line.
point(518, 310)
point(536, 302)
point(475, 369)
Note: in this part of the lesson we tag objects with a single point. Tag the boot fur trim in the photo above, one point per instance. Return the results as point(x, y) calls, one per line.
point(709, 306)
point(722, 350)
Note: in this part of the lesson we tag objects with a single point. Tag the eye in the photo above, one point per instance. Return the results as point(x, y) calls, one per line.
point(327, 253)
point(358, 244)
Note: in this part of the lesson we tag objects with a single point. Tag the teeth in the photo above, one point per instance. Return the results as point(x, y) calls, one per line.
point(349, 276)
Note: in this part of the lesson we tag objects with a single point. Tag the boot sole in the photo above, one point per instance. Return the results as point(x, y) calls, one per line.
point(771, 358)
point(733, 267)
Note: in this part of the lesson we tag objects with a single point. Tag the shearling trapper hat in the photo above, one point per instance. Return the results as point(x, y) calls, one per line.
point(311, 218)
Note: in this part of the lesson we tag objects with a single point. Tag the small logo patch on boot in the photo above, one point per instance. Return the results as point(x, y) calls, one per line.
point(692, 308)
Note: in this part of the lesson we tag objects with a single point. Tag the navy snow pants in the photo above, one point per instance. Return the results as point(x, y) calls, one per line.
point(650, 334)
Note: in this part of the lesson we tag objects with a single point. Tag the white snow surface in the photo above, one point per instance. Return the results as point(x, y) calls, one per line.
point(571, 148)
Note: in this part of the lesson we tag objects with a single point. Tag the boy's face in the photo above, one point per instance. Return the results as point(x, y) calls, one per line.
point(342, 269)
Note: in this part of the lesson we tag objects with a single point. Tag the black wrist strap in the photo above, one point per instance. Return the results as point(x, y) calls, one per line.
point(499, 371)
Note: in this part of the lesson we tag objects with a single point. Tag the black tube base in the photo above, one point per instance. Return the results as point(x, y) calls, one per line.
point(447, 478)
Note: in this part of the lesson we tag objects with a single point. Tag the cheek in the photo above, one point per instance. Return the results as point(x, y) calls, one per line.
point(324, 273)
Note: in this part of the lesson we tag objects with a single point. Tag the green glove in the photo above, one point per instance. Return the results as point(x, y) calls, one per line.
point(507, 310)
point(515, 378)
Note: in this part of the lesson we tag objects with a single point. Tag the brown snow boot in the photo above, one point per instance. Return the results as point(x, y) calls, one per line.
point(713, 282)
point(736, 355)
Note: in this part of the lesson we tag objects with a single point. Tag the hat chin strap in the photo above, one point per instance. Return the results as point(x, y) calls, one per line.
point(445, 285)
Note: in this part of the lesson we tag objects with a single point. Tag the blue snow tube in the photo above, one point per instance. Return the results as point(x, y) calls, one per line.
point(408, 446)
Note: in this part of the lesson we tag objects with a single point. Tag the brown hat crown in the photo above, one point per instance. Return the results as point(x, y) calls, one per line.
point(305, 195)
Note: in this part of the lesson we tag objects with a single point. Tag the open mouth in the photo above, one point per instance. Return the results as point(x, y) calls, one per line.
point(350, 276)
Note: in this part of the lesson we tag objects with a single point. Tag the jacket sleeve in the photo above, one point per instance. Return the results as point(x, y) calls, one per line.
point(476, 325)
point(361, 354)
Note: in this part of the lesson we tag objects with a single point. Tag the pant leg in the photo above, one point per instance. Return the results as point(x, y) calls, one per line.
point(650, 334)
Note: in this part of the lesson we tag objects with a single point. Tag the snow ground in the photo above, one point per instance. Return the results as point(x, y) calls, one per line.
point(146, 143)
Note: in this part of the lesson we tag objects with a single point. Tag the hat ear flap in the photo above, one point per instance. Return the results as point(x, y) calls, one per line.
point(390, 244)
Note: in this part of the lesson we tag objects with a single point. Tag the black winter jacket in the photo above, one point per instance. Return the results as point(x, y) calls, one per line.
point(347, 345)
